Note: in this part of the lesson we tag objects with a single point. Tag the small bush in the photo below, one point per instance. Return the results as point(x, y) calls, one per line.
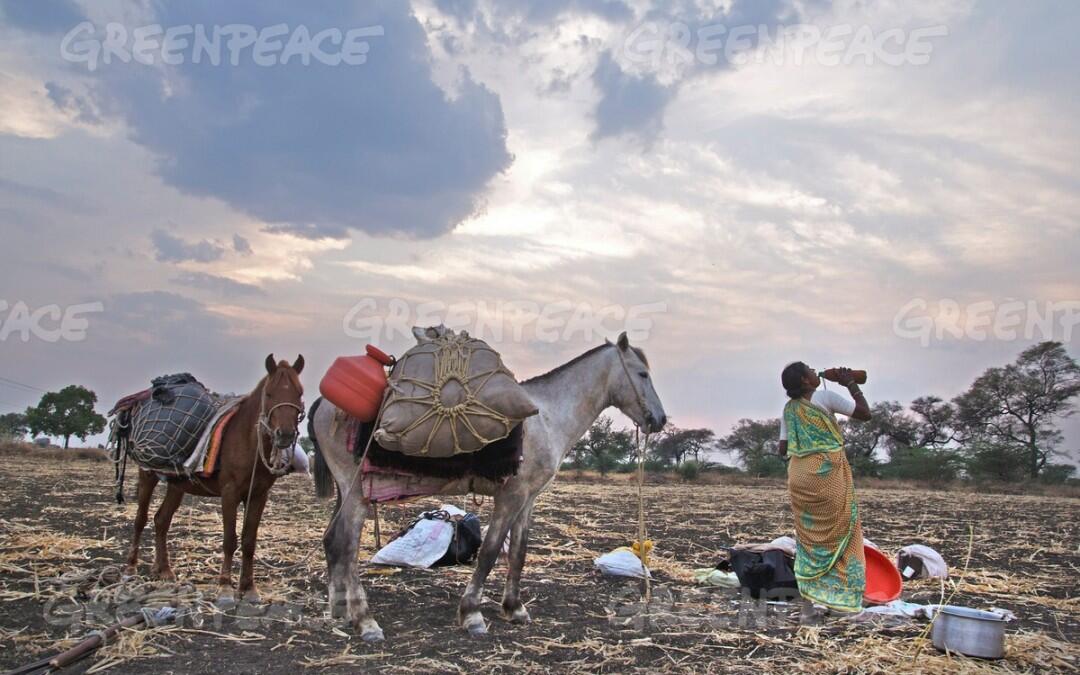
point(1057, 474)
point(656, 466)
point(689, 471)
point(922, 464)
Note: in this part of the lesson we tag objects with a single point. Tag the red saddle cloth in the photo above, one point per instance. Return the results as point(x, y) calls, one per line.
point(130, 401)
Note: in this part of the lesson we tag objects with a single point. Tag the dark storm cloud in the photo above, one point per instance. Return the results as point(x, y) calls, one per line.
point(41, 16)
point(215, 284)
point(317, 150)
point(170, 248)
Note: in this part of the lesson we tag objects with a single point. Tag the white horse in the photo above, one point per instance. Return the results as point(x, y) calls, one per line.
point(570, 398)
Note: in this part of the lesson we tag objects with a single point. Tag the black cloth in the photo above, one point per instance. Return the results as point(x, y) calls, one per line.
point(494, 462)
point(771, 572)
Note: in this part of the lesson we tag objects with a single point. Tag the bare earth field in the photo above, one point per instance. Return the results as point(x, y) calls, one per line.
point(62, 539)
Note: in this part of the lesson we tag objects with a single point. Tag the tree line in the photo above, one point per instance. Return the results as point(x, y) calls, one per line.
point(1002, 428)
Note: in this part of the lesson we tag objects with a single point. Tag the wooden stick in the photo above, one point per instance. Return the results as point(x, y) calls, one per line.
point(91, 643)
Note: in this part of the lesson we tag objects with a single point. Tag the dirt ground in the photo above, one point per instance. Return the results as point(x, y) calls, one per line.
point(62, 539)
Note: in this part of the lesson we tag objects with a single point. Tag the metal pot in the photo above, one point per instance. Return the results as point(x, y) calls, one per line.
point(971, 632)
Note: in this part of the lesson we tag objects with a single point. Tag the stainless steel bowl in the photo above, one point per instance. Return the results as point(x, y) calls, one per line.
point(971, 632)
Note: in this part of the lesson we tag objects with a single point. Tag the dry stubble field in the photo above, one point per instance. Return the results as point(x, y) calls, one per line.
point(62, 537)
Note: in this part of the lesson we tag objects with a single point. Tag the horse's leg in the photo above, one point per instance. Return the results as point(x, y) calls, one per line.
point(335, 587)
point(229, 502)
point(508, 505)
point(162, 520)
point(253, 511)
point(147, 482)
point(341, 542)
point(513, 610)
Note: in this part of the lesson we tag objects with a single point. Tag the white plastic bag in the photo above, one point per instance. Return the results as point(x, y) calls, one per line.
point(622, 562)
point(421, 546)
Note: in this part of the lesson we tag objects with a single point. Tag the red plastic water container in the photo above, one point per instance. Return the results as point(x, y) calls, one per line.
point(356, 383)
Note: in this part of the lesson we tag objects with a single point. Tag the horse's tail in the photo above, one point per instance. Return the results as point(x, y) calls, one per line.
point(324, 480)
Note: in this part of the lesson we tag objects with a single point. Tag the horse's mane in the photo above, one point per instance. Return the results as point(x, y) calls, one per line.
point(558, 369)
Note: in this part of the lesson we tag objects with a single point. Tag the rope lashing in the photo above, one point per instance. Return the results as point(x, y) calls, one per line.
point(453, 358)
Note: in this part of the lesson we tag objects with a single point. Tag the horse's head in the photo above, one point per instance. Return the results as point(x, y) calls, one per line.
point(631, 388)
point(282, 404)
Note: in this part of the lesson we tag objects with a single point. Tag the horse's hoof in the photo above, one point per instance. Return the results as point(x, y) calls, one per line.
point(225, 601)
point(251, 596)
point(164, 575)
point(474, 623)
point(518, 615)
point(370, 631)
point(131, 570)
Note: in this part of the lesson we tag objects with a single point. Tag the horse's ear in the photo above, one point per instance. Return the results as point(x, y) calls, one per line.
point(624, 342)
point(271, 365)
point(298, 364)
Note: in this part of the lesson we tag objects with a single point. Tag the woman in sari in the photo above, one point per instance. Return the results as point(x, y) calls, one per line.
point(830, 565)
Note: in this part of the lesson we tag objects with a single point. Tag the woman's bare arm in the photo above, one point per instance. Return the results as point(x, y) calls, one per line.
point(862, 408)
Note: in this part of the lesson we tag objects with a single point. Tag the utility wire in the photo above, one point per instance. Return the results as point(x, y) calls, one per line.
point(16, 383)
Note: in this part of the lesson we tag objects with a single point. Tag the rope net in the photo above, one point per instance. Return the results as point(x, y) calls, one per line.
point(450, 396)
point(166, 428)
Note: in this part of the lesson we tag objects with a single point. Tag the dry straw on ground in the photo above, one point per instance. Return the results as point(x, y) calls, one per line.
point(62, 540)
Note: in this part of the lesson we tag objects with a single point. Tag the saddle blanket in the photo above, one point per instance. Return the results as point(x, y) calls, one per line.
point(383, 484)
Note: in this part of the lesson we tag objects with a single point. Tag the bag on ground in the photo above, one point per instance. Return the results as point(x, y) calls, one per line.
point(448, 536)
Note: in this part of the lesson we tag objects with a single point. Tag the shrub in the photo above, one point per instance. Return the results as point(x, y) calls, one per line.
point(766, 466)
point(1057, 474)
point(995, 463)
point(925, 464)
point(689, 471)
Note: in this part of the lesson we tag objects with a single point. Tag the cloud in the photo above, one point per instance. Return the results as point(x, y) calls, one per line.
point(219, 285)
point(241, 245)
point(164, 317)
point(540, 10)
point(41, 16)
point(317, 150)
point(169, 248)
point(628, 103)
point(65, 100)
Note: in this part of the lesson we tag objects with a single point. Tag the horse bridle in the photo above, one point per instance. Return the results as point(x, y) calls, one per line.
point(630, 378)
point(280, 458)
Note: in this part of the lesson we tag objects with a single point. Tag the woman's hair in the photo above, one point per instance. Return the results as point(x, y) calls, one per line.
point(792, 378)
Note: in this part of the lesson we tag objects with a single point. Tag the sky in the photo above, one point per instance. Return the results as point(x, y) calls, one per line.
point(888, 186)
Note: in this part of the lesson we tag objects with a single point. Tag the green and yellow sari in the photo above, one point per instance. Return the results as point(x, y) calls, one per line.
point(830, 565)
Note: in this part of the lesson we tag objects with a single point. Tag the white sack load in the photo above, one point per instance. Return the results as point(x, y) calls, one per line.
point(449, 395)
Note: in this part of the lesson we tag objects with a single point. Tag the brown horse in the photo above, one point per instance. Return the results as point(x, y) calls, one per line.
point(255, 451)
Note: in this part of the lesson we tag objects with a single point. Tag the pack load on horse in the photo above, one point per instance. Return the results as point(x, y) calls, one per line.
point(450, 395)
point(234, 448)
point(159, 428)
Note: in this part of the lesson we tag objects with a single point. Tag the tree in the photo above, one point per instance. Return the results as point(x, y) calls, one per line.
point(66, 413)
point(888, 428)
point(675, 444)
point(1013, 409)
point(602, 447)
point(757, 443)
point(935, 422)
point(13, 426)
